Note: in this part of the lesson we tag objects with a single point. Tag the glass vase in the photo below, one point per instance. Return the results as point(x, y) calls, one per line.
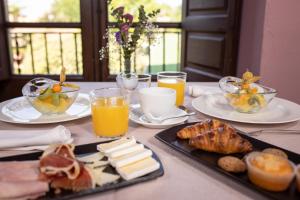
point(127, 65)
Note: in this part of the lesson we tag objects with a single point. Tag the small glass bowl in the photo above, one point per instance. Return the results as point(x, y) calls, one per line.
point(269, 180)
point(41, 96)
point(242, 101)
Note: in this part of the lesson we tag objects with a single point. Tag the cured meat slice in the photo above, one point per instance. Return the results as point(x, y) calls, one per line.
point(26, 174)
point(19, 164)
point(82, 182)
point(54, 164)
point(22, 189)
point(64, 150)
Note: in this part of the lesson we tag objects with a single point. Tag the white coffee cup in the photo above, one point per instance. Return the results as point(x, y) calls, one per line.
point(157, 101)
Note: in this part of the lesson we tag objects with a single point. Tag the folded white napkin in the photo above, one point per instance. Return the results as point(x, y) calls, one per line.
point(196, 91)
point(34, 139)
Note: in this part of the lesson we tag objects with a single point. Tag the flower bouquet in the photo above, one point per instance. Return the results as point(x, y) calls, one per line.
point(126, 39)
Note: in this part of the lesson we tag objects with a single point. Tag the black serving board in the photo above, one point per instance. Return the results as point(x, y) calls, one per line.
point(86, 149)
point(210, 159)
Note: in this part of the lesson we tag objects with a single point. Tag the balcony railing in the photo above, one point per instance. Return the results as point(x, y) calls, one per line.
point(163, 55)
point(45, 51)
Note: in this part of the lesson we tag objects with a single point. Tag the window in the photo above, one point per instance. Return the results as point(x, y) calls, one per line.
point(45, 35)
point(151, 58)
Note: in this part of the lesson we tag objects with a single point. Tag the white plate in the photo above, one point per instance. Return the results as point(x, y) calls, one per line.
point(278, 111)
point(137, 116)
point(19, 111)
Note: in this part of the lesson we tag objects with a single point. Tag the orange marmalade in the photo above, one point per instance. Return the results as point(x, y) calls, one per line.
point(272, 164)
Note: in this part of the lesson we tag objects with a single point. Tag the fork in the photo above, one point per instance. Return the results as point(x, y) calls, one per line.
point(276, 131)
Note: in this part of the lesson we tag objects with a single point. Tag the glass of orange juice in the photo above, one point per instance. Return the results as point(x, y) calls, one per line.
point(110, 111)
point(173, 80)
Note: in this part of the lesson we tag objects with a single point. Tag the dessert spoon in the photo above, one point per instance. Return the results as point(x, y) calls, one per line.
point(152, 119)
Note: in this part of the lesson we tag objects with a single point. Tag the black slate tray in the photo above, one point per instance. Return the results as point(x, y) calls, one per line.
point(209, 159)
point(86, 149)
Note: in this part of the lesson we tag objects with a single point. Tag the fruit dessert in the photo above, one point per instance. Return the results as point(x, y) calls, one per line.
point(247, 98)
point(49, 96)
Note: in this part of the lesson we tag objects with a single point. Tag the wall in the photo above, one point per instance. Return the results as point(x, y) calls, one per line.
point(270, 44)
point(251, 35)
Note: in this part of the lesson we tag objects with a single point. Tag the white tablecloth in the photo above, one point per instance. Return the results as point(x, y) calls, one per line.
point(183, 178)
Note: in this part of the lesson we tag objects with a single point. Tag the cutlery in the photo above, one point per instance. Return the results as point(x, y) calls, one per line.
point(152, 119)
point(276, 131)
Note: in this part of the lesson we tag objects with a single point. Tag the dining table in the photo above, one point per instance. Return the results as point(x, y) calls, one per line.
point(183, 177)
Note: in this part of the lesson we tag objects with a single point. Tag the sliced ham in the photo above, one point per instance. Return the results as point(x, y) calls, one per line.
point(64, 150)
point(54, 164)
point(82, 182)
point(26, 174)
point(22, 189)
point(19, 164)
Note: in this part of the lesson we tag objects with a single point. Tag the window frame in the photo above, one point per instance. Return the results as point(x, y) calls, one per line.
point(93, 24)
point(89, 11)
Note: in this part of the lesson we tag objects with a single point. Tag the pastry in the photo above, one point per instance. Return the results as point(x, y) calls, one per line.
point(269, 171)
point(232, 164)
point(276, 152)
point(222, 140)
point(199, 128)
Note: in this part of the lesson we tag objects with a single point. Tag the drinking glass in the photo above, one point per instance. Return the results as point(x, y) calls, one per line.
point(173, 80)
point(131, 82)
point(110, 112)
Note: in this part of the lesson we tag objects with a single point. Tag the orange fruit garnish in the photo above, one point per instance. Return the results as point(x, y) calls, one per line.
point(56, 88)
point(245, 86)
point(254, 90)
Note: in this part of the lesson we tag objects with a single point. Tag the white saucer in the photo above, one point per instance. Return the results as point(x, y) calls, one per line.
point(278, 110)
point(19, 111)
point(136, 115)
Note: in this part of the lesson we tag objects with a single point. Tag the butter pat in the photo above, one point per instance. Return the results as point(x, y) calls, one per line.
point(116, 145)
point(124, 151)
point(130, 158)
point(138, 169)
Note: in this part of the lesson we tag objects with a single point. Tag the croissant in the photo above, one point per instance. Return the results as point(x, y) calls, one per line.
point(199, 128)
point(222, 140)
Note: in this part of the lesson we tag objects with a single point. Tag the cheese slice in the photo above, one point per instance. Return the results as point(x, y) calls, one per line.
point(125, 150)
point(102, 178)
point(138, 169)
point(116, 145)
point(130, 158)
point(91, 157)
point(93, 160)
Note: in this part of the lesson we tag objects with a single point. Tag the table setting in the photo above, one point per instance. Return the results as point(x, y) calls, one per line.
point(133, 130)
point(134, 138)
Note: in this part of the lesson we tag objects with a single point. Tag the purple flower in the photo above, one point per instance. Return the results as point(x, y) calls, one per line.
point(125, 28)
point(119, 10)
point(118, 36)
point(128, 18)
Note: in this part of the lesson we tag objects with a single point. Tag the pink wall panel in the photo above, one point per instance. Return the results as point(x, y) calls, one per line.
point(251, 33)
point(280, 61)
point(270, 44)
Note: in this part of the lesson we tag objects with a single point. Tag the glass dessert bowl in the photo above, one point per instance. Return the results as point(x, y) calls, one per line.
point(244, 95)
point(49, 96)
